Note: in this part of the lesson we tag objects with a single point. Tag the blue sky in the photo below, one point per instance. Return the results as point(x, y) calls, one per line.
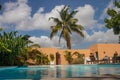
point(31, 17)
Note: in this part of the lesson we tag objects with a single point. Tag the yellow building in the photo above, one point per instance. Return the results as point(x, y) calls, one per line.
point(99, 51)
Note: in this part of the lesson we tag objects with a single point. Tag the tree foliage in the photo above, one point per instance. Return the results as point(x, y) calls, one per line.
point(74, 58)
point(65, 25)
point(113, 22)
point(79, 59)
point(52, 57)
point(68, 56)
point(12, 48)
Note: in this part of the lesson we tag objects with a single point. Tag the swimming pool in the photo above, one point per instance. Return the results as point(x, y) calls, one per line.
point(60, 71)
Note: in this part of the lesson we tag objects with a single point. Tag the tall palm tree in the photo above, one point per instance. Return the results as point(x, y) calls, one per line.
point(66, 25)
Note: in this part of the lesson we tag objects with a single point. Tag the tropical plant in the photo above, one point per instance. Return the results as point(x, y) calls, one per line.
point(113, 22)
point(52, 57)
point(79, 59)
point(68, 56)
point(32, 47)
point(42, 59)
point(33, 53)
point(0, 29)
point(66, 25)
point(12, 48)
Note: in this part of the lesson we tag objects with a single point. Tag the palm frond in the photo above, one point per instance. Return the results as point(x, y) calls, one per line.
point(61, 34)
point(71, 15)
point(73, 21)
point(56, 20)
point(80, 27)
point(54, 30)
point(35, 45)
point(64, 13)
point(78, 31)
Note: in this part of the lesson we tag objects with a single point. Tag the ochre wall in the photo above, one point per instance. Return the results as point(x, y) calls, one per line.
point(62, 52)
point(49, 51)
point(93, 48)
point(105, 49)
point(108, 49)
point(102, 49)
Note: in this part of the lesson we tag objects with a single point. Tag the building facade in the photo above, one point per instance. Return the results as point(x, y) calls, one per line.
point(99, 51)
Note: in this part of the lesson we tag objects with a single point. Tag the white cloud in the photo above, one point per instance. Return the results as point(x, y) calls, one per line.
point(15, 12)
point(40, 20)
point(104, 14)
point(22, 1)
point(45, 41)
point(96, 37)
point(19, 14)
point(86, 16)
point(103, 37)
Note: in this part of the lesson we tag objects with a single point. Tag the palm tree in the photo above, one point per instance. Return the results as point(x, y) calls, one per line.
point(42, 59)
point(68, 56)
point(66, 25)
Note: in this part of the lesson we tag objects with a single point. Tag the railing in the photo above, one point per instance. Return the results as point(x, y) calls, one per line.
point(104, 61)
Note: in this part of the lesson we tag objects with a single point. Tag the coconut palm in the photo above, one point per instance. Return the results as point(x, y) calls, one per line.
point(66, 25)
point(68, 56)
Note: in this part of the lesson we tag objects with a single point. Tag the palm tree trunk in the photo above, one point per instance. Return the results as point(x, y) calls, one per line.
point(119, 39)
point(68, 44)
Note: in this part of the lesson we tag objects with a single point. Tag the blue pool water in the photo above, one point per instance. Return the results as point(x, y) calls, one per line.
point(61, 71)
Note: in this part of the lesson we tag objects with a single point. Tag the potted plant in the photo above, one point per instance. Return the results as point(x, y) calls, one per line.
point(52, 59)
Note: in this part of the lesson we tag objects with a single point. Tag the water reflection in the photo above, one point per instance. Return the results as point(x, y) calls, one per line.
point(58, 72)
point(69, 71)
point(63, 71)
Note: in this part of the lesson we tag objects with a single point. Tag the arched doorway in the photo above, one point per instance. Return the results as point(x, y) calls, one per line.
point(97, 55)
point(58, 59)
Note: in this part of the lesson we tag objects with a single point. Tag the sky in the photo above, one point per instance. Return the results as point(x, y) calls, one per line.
point(31, 17)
